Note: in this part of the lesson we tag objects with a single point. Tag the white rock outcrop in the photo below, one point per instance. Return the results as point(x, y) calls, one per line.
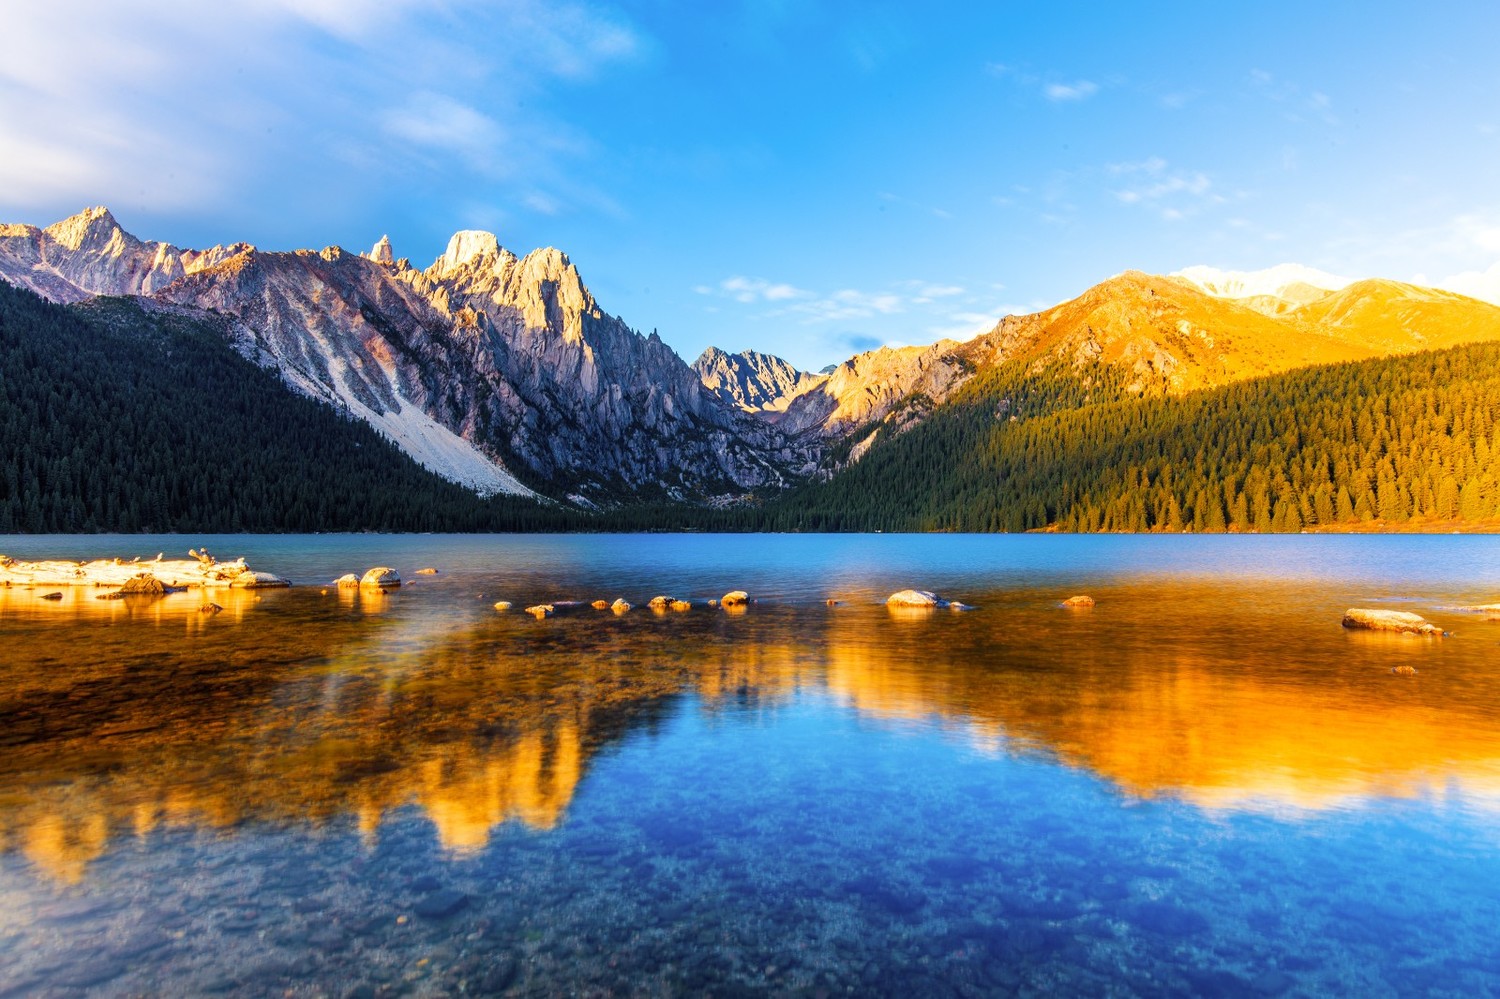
point(1403, 622)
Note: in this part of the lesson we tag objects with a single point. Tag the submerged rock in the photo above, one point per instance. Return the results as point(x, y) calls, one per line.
point(915, 598)
point(210, 608)
point(660, 602)
point(52, 596)
point(381, 576)
point(428, 571)
point(1082, 600)
point(600, 605)
point(734, 598)
point(1404, 670)
point(681, 605)
point(540, 611)
point(621, 606)
point(1402, 622)
point(502, 605)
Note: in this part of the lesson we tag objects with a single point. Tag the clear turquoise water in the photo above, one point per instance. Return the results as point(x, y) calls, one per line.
point(1202, 786)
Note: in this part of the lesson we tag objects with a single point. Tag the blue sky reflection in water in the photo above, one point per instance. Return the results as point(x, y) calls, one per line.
point(1202, 786)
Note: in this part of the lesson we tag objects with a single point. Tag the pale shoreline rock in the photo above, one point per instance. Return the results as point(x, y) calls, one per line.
point(381, 577)
point(1082, 600)
point(200, 571)
point(1401, 622)
point(915, 598)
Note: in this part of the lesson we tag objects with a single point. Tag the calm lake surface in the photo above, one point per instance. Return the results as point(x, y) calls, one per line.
point(1201, 786)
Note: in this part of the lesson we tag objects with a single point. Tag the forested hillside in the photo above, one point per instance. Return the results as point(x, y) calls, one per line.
point(112, 419)
point(1406, 440)
point(116, 419)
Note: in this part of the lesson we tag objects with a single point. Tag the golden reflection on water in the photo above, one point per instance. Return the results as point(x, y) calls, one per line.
point(118, 718)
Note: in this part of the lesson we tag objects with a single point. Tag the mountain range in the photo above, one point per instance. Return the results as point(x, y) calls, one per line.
point(503, 374)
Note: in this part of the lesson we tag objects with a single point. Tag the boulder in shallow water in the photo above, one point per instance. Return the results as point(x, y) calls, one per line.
point(210, 608)
point(251, 580)
point(427, 571)
point(681, 605)
point(502, 605)
point(600, 605)
point(540, 611)
point(52, 596)
point(347, 581)
point(381, 577)
point(621, 606)
point(1082, 600)
point(734, 598)
point(1404, 670)
point(1402, 622)
point(915, 598)
point(660, 602)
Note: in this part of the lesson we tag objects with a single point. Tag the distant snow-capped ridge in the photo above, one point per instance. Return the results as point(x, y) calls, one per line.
point(1273, 281)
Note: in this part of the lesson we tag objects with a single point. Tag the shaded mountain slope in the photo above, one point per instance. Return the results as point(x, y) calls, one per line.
point(113, 418)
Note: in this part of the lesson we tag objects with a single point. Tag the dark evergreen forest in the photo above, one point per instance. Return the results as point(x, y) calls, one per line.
point(115, 419)
point(1405, 440)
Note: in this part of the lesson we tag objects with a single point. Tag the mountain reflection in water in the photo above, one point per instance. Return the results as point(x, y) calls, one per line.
point(298, 707)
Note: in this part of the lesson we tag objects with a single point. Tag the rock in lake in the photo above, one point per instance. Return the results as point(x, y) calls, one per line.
point(1082, 600)
point(1402, 622)
point(210, 608)
point(347, 581)
point(681, 605)
point(621, 606)
point(600, 605)
point(502, 605)
point(381, 577)
point(915, 598)
point(540, 611)
point(427, 571)
point(1404, 670)
point(734, 598)
point(52, 596)
point(660, 602)
point(251, 580)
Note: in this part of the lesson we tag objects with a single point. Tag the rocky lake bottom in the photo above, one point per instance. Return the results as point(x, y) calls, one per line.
point(1202, 785)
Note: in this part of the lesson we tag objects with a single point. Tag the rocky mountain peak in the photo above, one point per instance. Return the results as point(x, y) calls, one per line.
point(91, 228)
point(755, 382)
point(466, 248)
point(381, 252)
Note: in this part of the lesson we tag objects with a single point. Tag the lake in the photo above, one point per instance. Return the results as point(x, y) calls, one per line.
point(1203, 785)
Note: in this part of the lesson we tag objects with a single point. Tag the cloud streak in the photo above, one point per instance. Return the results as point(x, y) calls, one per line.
point(178, 105)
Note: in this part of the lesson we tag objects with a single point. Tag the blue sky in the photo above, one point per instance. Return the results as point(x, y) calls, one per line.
point(809, 179)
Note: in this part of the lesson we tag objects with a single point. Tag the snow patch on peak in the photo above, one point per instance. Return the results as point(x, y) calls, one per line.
point(1273, 281)
point(467, 245)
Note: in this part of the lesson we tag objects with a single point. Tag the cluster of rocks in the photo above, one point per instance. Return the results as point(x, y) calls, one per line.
point(135, 577)
point(733, 600)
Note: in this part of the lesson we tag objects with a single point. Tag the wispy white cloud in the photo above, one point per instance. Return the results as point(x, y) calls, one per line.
point(1076, 91)
point(438, 122)
point(1484, 285)
point(176, 104)
point(747, 290)
point(1174, 194)
point(1055, 90)
point(1301, 103)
